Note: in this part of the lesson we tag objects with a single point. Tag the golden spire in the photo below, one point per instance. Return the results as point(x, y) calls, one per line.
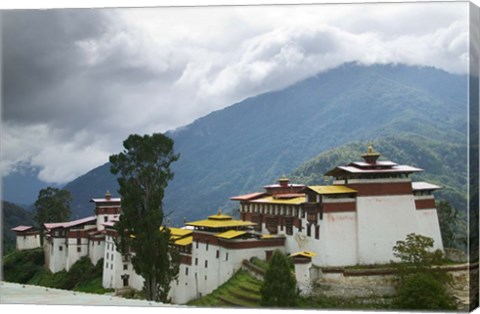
point(219, 212)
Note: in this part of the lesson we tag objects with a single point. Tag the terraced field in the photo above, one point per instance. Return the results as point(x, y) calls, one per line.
point(242, 290)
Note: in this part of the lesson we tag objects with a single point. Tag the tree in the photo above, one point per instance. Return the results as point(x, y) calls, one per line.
point(279, 288)
point(52, 205)
point(144, 172)
point(421, 282)
point(448, 218)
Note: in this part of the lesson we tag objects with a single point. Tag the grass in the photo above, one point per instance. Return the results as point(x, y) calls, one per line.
point(242, 290)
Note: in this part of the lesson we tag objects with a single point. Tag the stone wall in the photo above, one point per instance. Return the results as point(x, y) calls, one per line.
point(377, 285)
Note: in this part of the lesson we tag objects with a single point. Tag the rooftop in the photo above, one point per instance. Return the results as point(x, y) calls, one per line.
point(331, 189)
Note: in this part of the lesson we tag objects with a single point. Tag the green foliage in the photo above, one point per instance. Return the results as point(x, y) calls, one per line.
point(52, 205)
point(21, 266)
point(422, 291)
point(241, 290)
point(28, 267)
point(279, 288)
point(416, 251)
point(144, 172)
point(452, 230)
point(421, 282)
point(13, 215)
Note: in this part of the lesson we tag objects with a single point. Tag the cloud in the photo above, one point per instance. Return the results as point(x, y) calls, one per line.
point(76, 83)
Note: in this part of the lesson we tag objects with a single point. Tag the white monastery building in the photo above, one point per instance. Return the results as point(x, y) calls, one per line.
point(356, 220)
point(28, 238)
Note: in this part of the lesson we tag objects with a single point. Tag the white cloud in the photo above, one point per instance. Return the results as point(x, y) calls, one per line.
point(84, 80)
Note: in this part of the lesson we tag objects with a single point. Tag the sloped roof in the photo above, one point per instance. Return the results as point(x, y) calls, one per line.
point(331, 189)
point(22, 228)
point(286, 201)
point(303, 254)
point(70, 223)
point(417, 186)
point(230, 234)
point(184, 241)
point(247, 197)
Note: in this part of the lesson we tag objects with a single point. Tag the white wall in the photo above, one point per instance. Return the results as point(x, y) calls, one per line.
point(28, 242)
point(429, 227)
point(58, 258)
point(72, 252)
point(338, 240)
point(96, 250)
point(381, 222)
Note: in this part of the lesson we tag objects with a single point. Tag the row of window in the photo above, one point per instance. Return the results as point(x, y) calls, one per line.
point(206, 261)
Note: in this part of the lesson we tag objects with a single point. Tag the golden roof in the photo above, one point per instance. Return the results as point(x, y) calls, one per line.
point(304, 254)
point(331, 189)
point(230, 234)
point(286, 201)
point(184, 241)
point(216, 223)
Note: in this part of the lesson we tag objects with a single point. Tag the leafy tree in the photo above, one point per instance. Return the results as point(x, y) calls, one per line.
point(279, 288)
point(421, 283)
point(52, 205)
point(144, 171)
point(448, 218)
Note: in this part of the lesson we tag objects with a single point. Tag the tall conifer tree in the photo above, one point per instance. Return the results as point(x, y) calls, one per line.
point(144, 171)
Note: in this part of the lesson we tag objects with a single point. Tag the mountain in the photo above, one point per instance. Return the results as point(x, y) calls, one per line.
point(22, 187)
point(249, 144)
point(13, 215)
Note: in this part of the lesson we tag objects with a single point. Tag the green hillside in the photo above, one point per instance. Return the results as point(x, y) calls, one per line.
point(251, 143)
point(13, 215)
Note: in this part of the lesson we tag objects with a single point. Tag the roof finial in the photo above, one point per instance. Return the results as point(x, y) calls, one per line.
point(108, 195)
point(371, 156)
point(219, 212)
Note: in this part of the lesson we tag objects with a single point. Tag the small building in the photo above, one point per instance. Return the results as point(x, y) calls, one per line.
point(66, 242)
point(28, 237)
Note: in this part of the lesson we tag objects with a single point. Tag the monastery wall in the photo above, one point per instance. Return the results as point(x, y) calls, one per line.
point(28, 242)
point(382, 221)
point(58, 255)
point(427, 220)
point(96, 250)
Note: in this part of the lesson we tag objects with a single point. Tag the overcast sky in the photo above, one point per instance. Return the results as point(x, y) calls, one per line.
point(77, 82)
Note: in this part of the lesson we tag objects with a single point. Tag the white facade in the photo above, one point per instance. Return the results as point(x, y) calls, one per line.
point(28, 242)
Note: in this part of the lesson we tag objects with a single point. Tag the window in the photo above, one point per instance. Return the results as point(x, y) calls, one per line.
point(218, 254)
point(79, 241)
point(206, 263)
point(317, 232)
point(125, 266)
point(226, 256)
point(79, 249)
point(206, 245)
point(106, 265)
point(111, 266)
point(186, 271)
point(60, 248)
point(196, 244)
point(108, 255)
point(196, 261)
point(105, 218)
point(309, 231)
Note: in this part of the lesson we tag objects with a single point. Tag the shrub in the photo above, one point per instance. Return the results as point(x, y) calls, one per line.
point(422, 291)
